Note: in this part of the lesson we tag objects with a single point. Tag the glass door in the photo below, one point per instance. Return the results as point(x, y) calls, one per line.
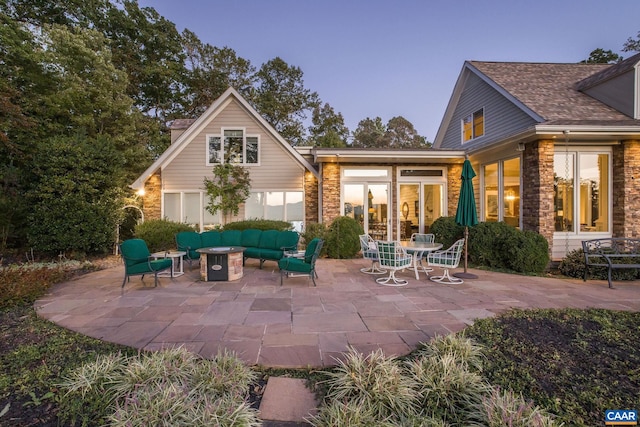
point(368, 203)
point(420, 205)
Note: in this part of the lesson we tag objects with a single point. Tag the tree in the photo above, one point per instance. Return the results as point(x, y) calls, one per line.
point(401, 134)
point(328, 129)
point(369, 133)
point(228, 189)
point(282, 99)
point(601, 56)
point(149, 48)
point(632, 45)
point(75, 197)
point(209, 72)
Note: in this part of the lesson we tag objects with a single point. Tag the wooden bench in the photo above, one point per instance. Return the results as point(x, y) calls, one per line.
point(615, 252)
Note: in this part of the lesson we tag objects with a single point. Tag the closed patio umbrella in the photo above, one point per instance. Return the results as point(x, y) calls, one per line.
point(466, 214)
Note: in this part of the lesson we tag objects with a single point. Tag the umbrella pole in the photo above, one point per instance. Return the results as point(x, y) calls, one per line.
point(466, 247)
point(465, 275)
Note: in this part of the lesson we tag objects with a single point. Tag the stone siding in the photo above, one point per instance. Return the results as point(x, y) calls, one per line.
point(626, 189)
point(537, 189)
point(310, 198)
point(330, 192)
point(152, 199)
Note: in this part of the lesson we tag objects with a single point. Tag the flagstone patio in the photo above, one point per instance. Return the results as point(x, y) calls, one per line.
point(297, 324)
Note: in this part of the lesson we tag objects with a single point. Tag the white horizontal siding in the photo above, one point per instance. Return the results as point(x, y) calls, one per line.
point(277, 169)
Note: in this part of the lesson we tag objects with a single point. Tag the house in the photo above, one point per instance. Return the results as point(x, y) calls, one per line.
point(556, 146)
point(531, 131)
point(230, 130)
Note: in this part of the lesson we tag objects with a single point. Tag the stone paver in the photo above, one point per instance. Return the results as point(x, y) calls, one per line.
point(301, 402)
point(297, 324)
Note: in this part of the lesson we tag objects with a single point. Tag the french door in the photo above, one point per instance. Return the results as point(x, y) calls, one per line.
point(420, 204)
point(369, 204)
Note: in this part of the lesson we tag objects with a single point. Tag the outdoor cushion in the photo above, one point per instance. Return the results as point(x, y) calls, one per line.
point(311, 248)
point(269, 239)
point(210, 239)
point(188, 241)
point(251, 238)
point(149, 266)
point(271, 254)
point(294, 264)
point(231, 238)
point(252, 252)
point(287, 240)
point(137, 260)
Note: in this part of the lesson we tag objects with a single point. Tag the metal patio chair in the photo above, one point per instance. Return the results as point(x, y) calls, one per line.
point(393, 257)
point(447, 259)
point(370, 251)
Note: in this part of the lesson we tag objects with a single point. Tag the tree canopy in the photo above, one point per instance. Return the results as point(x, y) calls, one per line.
point(397, 133)
point(328, 128)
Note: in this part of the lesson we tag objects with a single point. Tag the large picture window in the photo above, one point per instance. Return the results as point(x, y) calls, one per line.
point(190, 208)
point(581, 191)
point(277, 205)
point(233, 146)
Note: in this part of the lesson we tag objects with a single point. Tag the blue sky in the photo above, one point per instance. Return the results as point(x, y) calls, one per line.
point(402, 57)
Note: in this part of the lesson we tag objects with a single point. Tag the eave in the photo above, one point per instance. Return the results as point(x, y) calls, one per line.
point(385, 156)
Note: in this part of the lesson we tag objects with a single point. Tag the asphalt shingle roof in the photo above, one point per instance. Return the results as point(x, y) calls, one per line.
point(551, 90)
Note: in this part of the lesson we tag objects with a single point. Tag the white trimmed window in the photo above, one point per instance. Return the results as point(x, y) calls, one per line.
point(582, 190)
point(233, 145)
point(189, 207)
point(473, 125)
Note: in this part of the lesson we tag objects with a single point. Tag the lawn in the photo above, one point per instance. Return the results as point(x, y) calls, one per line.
point(574, 364)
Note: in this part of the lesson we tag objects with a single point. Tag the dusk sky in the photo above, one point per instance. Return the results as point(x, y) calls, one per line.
point(402, 58)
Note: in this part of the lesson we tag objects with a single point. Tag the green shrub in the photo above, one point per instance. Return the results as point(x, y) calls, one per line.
point(314, 230)
point(501, 246)
point(446, 231)
point(311, 231)
point(74, 195)
point(573, 265)
point(528, 252)
point(486, 243)
point(259, 224)
point(160, 234)
point(342, 239)
point(170, 387)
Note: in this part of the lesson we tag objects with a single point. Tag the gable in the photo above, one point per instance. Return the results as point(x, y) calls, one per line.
point(277, 168)
point(240, 114)
point(501, 116)
point(617, 92)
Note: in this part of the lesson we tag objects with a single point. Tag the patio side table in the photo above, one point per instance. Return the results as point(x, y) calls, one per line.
point(177, 268)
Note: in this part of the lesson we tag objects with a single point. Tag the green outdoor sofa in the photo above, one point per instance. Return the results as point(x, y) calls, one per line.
point(263, 245)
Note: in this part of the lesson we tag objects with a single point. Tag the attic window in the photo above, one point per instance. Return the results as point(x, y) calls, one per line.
point(233, 146)
point(473, 125)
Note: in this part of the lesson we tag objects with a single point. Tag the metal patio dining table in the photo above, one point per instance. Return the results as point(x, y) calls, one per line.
point(417, 250)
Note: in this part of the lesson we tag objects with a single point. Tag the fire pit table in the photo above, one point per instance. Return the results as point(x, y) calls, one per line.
point(221, 263)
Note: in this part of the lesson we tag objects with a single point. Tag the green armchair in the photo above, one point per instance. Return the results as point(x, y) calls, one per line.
point(138, 261)
point(304, 265)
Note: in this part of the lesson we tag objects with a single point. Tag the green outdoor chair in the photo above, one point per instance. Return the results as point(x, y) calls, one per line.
point(304, 265)
point(138, 261)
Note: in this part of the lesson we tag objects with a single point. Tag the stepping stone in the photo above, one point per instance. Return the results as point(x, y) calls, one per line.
point(287, 400)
